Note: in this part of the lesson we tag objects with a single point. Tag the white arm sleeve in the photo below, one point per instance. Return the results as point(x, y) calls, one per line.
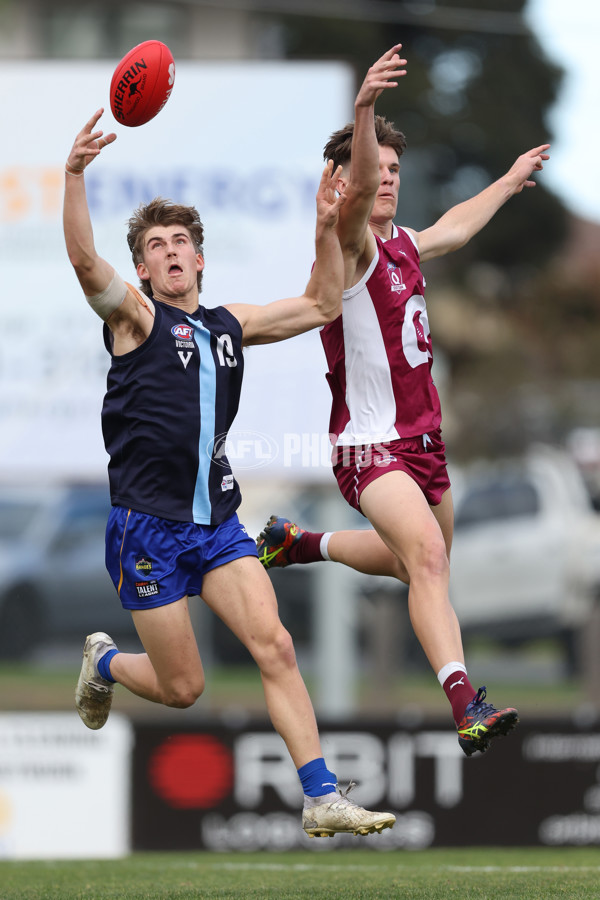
point(105, 303)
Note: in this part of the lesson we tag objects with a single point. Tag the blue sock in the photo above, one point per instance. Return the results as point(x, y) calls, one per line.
point(103, 665)
point(316, 778)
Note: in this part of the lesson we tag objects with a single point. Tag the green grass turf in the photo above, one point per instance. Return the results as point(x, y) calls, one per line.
point(41, 686)
point(518, 874)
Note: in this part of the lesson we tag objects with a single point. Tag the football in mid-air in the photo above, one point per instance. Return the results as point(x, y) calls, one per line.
point(142, 83)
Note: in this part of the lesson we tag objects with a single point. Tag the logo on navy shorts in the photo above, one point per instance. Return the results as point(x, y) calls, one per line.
point(143, 564)
point(147, 589)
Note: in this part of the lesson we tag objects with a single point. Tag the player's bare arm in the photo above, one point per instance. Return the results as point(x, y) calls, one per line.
point(131, 320)
point(93, 272)
point(362, 179)
point(456, 227)
point(322, 299)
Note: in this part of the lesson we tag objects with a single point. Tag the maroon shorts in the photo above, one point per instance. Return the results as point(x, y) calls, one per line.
point(423, 458)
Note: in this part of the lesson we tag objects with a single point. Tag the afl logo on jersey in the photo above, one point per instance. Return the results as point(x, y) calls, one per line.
point(182, 332)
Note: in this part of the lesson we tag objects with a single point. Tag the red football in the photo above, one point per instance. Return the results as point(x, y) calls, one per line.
point(142, 83)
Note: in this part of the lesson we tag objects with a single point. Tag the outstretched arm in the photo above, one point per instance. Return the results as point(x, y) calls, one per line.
point(128, 315)
point(456, 227)
point(322, 299)
point(93, 272)
point(362, 181)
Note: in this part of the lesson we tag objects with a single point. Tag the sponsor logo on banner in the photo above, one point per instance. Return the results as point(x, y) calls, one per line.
point(236, 789)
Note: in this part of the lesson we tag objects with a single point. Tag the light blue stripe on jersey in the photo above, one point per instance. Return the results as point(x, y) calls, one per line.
point(202, 508)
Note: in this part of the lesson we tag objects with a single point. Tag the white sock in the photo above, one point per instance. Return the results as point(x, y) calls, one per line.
point(309, 802)
point(448, 669)
point(324, 544)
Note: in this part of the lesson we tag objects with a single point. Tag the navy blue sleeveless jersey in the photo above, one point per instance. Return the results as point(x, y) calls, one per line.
point(167, 410)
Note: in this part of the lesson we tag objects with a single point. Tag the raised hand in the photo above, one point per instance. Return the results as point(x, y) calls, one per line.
point(329, 201)
point(88, 145)
point(380, 75)
point(519, 175)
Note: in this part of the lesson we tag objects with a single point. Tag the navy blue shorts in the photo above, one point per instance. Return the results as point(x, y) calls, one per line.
point(154, 561)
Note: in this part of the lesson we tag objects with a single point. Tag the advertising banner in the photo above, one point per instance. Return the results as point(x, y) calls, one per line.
point(227, 789)
point(243, 142)
point(56, 777)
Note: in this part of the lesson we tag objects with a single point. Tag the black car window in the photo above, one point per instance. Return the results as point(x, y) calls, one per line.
point(498, 500)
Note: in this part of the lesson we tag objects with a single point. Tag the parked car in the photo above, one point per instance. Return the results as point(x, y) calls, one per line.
point(526, 551)
point(53, 582)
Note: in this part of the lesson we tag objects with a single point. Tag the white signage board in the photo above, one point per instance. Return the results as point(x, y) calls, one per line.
point(57, 781)
point(243, 143)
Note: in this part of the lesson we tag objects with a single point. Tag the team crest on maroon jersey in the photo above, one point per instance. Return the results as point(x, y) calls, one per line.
point(395, 274)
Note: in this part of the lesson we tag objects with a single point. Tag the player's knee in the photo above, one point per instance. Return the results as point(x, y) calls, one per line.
point(277, 654)
point(182, 695)
point(284, 648)
point(432, 560)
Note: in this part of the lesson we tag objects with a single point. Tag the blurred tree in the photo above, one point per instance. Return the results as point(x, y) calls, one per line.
point(474, 99)
point(517, 325)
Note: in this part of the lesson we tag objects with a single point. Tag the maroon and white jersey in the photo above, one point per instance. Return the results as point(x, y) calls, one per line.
point(379, 352)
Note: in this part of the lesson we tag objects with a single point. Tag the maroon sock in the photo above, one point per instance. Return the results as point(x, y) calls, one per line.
point(460, 692)
point(307, 549)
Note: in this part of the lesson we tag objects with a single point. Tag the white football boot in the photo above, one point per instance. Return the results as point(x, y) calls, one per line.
point(94, 694)
point(334, 813)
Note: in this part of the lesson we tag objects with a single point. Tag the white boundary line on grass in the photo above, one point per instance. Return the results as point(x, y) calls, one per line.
point(297, 867)
point(307, 867)
point(525, 869)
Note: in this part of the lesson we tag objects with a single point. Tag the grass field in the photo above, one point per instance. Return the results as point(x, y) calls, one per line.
point(50, 686)
point(519, 874)
point(328, 874)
